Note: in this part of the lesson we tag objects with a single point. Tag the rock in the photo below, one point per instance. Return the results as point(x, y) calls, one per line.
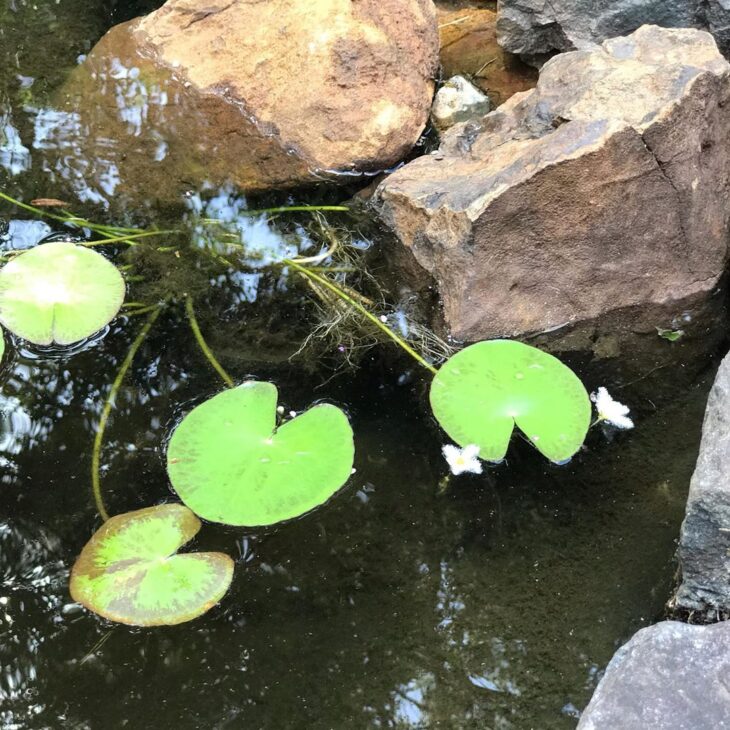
point(261, 94)
point(603, 188)
point(533, 28)
point(704, 547)
point(456, 101)
point(469, 48)
point(670, 676)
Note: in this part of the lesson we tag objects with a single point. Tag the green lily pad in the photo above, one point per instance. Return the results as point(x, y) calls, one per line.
point(59, 292)
point(129, 571)
point(230, 463)
point(670, 335)
point(483, 391)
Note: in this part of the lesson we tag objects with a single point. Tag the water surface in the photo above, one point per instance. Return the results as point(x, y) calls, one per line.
point(493, 603)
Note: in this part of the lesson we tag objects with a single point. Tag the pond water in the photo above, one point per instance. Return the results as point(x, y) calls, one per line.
point(494, 602)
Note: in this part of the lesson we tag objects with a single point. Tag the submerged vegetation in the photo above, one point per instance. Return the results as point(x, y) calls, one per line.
point(235, 459)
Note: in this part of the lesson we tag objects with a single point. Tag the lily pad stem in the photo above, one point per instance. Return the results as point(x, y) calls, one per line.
point(130, 239)
point(285, 209)
point(324, 281)
point(109, 404)
point(195, 327)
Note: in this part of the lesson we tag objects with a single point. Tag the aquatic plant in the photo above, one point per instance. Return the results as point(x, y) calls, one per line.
point(670, 335)
point(230, 463)
point(59, 292)
point(464, 460)
point(235, 459)
point(480, 394)
point(610, 411)
point(62, 292)
point(130, 570)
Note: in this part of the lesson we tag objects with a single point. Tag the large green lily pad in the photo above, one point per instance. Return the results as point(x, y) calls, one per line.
point(129, 571)
point(483, 391)
point(59, 292)
point(230, 463)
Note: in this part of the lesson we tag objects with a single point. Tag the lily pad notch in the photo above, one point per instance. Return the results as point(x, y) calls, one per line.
point(230, 463)
point(59, 292)
point(130, 570)
point(481, 393)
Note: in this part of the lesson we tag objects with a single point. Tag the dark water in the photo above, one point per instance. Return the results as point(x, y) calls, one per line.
point(494, 604)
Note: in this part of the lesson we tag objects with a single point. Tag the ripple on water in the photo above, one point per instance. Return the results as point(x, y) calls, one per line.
point(33, 578)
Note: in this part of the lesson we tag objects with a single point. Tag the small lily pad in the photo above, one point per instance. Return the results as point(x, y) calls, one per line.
point(670, 335)
point(59, 292)
point(130, 571)
point(230, 463)
point(483, 391)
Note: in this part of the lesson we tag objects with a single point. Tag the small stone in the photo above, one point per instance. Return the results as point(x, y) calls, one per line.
point(456, 101)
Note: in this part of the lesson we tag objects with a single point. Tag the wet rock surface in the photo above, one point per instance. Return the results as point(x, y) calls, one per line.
point(603, 188)
point(667, 677)
point(533, 28)
point(261, 94)
point(704, 548)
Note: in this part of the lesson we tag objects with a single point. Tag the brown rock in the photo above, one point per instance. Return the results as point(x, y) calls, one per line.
point(603, 188)
point(469, 48)
point(262, 94)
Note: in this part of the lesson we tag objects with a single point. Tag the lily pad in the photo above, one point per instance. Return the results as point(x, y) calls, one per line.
point(230, 463)
point(59, 292)
point(670, 335)
point(483, 391)
point(129, 571)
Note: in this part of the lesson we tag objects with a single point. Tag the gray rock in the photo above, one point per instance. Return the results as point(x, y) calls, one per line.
point(457, 101)
point(536, 27)
point(605, 187)
point(671, 676)
point(704, 548)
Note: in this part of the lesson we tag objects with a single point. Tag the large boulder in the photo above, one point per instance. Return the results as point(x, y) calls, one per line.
point(261, 94)
point(536, 27)
point(605, 187)
point(704, 547)
point(667, 677)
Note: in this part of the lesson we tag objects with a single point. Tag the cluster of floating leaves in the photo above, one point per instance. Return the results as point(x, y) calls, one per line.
point(232, 460)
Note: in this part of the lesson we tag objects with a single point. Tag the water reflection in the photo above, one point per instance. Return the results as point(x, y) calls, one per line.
point(63, 137)
point(22, 234)
point(14, 155)
point(260, 244)
point(33, 581)
point(409, 702)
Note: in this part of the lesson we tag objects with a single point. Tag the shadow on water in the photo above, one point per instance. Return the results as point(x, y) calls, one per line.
point(494, 603)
